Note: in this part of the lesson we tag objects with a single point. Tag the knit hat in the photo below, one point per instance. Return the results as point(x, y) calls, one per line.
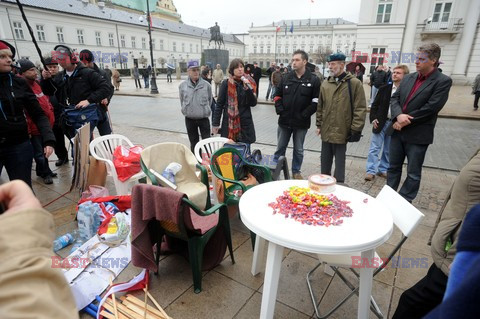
point(4, 45)
point(337, 57)
point(25, 65)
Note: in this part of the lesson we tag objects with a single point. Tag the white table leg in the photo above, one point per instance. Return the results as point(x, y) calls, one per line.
point(366, 281)
point(272, 275)
point(258, 261)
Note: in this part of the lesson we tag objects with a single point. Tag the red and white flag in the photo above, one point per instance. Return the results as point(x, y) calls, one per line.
point(277, 29)
point(137, 283)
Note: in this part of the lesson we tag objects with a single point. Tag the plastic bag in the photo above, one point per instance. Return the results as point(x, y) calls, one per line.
point(95, 191)
point(117, 229)
point(127, 161)
point(171, 170)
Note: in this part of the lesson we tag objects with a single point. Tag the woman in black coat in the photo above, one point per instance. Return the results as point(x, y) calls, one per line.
point(235, 99)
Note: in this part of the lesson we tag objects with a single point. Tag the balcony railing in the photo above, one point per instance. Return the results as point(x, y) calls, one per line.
point(451, 27)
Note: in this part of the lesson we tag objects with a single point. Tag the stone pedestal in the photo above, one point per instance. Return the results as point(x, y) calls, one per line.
point(216, 56)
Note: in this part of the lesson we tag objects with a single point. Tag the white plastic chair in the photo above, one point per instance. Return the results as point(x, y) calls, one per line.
point(206, 147)
point(102, 149)
point(405, 216)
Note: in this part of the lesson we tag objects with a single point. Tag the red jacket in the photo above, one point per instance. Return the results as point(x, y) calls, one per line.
point(44, 102)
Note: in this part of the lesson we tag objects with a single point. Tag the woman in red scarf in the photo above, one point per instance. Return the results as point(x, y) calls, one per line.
point(236, 97)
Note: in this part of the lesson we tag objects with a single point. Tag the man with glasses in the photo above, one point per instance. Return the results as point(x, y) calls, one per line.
point(195, 100)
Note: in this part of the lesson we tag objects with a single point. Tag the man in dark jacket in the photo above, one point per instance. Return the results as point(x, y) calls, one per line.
point(380, 119)
point(377, 79)
point(76, 85)
point(58, 109)
point(16, 97)
point(296, 99)
point(257, 75)
point(269, 72)
point(415, 106)
point(103, 126)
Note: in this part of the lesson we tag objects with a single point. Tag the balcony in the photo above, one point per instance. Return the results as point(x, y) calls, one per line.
point(450, 27)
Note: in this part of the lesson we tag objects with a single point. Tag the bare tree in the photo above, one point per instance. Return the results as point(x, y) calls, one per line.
point(320, 56)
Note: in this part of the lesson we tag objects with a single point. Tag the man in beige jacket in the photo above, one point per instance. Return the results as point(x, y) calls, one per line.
point(217, 78)
point(426, 294)
point(29, 286)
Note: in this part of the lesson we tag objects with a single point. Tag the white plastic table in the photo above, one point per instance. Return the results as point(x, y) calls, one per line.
point(369, 227)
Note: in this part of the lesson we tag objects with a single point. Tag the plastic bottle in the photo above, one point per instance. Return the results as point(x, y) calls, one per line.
point(78, 241)
point(62, 241)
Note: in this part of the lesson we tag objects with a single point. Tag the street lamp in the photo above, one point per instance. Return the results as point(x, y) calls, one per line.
point(154, 89)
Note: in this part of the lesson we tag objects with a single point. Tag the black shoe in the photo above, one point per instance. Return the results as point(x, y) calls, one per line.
point(475, 108)
point(60, 162)
point(53, 174)
point(48, 179)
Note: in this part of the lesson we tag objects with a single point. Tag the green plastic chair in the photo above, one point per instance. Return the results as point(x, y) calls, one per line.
point(225, 165)
point(196, 242)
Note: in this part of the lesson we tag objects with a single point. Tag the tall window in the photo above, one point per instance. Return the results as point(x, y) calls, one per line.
point(17, 27)
point(183, 47)
point(80, 38)
point(98, 38)
point(442, 11)
point(384, 11)
point(255, 50)
point(377, 58)
point(268, 49)
point(196, 48)
point(144, 43)
point(134, 42)
point(60, 37)
point(110, 40)
point(174, 49)
point(161, 45)
point(191, 48)
point(261, 49)
point(40, 33)
point(153, 44)
point(122, 40)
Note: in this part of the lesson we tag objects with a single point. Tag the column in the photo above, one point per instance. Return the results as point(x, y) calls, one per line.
point(410, 30)
point(466, 42)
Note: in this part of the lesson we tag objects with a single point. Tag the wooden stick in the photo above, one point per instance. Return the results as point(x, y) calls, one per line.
point(109, 306)
point(115, 313)
point(140, 310)
point(146, 299)
point(157, 304)
point(125, 311)
point(107, 314)
point(138, 302)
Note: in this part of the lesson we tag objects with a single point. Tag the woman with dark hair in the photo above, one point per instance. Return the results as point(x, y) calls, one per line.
point(207, 74)
point(235, 99)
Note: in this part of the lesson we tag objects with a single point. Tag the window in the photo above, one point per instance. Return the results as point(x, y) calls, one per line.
point(286, 50)
point(183, 47)
point(197, 48)
point(261, 49)
point(255, 50)
point(144, 43)
point(80, 38)
point(174, 49)
point(60, 37)
point(279, 48)
point(153, 44)
point(98, 38)
point(110, 40)
point(161, 45)
point(17, 27)
point(377, 58)
point(261, 64)
point(191, 48)
point(383, 13)
point(441, 12)
point(134, 42)
point(122, 40)
point(40, 33)
point(268, 49)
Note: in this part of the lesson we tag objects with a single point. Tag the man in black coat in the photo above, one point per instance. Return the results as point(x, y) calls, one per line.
point(269, 72)
point(415, 106)
point(296, 100)
point(377, 79)
point(380, 118)
point(257, 74)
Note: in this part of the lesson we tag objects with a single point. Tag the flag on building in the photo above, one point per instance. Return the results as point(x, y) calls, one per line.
point(291, 28)
point(277, 29)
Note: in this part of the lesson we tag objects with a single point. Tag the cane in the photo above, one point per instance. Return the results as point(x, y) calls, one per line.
point(24, 17)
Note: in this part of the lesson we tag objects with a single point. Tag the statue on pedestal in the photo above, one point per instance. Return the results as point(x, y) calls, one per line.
point(216, 36)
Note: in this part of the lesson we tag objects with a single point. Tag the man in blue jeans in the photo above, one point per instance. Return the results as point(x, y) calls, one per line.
point(415, 106)
point(296, 99)
point(380, 119)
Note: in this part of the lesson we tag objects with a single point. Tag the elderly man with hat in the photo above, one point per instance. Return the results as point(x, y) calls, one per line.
point(341, 115)
point(16, 97)
point(195, 100)
point(28, 71)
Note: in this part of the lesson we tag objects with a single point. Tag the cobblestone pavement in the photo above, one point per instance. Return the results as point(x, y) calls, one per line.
point(455, 139)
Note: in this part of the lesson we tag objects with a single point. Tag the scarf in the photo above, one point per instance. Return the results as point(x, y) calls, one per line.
point(232, 103)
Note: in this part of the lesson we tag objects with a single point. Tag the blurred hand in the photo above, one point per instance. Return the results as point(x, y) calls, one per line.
point(82, 104)
point(17, 196)
point(404, 119)
point(318, 132)
point(215, 130)
point(48, 150)
point(104, 102)
point(46, 74)
point(375, 123)
point(397, 126)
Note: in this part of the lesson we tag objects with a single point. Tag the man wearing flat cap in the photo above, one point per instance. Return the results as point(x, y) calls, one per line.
point(340, 115)
point(195, 100)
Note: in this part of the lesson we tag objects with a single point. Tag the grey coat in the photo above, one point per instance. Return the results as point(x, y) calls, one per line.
point(196, 100)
